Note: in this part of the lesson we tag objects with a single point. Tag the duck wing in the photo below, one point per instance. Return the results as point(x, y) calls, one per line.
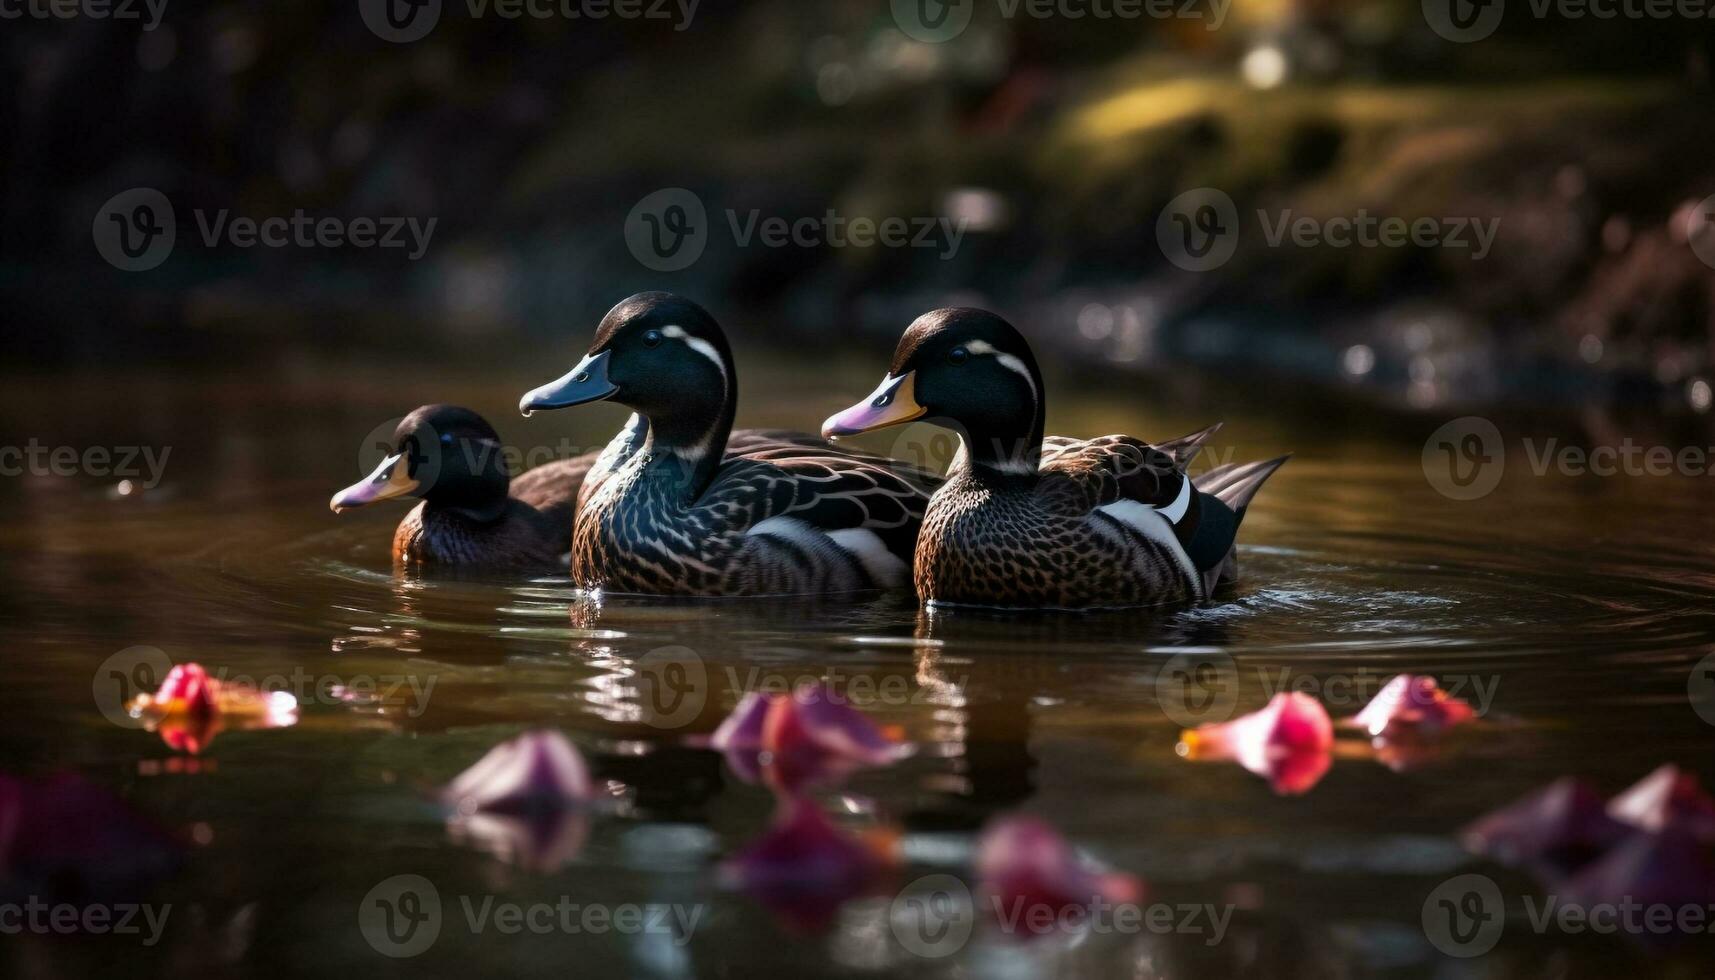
point(869, 507)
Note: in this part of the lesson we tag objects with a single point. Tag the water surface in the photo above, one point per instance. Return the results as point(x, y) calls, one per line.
point(1575, 607)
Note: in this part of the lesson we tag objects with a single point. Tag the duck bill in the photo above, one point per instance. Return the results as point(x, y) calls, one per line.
point(585, 383)
point(892, 402)
point(391, 479)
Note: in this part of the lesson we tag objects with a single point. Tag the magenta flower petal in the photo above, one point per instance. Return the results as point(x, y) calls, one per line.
point(826, 721)
point(1560, 827)
point(536, 770)
point(1670, 796)
point(1289, 742)
point(804, 867)
point(1022, 864)
point(1670, 869)
point(189, 689)
point(1411, 705)
point(743, 728)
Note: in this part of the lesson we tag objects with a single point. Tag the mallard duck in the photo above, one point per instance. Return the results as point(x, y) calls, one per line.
point(685, 512)
point(471, 511)
point(1023, 521)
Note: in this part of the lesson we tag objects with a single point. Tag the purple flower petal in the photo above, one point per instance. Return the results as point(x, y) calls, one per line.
point(1023, 863)
point(1670, 796)
point(1558, 828)
point(1411, 704)
point(539, 769)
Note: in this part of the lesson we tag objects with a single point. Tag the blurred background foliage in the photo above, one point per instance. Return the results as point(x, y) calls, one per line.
point(1059, 140)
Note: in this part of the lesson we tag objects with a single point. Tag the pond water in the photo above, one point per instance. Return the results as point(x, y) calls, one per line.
point(1571, 609)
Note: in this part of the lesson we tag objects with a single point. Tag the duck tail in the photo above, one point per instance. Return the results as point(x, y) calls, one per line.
point(1234, 484)
point(1185, 448)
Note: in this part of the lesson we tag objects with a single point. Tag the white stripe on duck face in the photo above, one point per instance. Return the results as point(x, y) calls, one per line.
point(1007, 361)
point(699, 345)
point(1175, 511)
point(1153, 525)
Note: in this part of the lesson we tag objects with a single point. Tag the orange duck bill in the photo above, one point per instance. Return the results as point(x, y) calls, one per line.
point(892, 402)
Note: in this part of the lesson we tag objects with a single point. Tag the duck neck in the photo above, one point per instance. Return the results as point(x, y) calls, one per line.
point(1006, 449)
point(688, 442)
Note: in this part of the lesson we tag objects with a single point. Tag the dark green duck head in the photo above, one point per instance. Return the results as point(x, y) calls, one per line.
point(667, 359)
point(970, 371)
point(443, 454)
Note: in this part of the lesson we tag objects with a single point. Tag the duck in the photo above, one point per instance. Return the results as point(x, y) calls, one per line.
point(470, 510)
point(1028, 521)
point(686, 510)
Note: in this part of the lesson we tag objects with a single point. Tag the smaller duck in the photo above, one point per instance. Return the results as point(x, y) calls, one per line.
point(1056, 523)
point(472, 513)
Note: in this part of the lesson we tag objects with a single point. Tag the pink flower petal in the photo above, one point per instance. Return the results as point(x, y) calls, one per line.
point(1670, 869)
point(536, 770)
point(1670, 796)
point(743, 728)
point(1412, 704)
point(1023, 864)
point(188, 689)
point(1560, 827)
point(817, 714)
point(1289, 742)
point(804, 867)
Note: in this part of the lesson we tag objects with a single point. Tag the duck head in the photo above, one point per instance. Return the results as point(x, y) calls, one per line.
point(667, 359)
point(442, 454)
point(965, 369)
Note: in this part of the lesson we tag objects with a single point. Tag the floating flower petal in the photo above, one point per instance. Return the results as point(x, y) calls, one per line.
point(1024, 866)
point(191, 707)
point(1670, 796)
point(539, 770)
point(1670, 869)
point(1289, 742)
point(805, 866)
point(1412, 704)
point(1559, 828)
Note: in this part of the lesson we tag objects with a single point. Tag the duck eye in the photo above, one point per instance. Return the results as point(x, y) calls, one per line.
point(958, 355)
point(652, 338)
